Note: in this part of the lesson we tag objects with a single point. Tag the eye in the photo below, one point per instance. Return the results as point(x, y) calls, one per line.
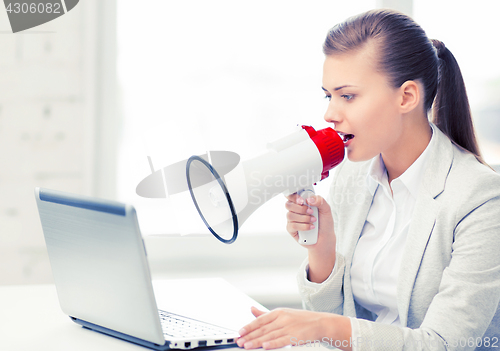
point(329, 97)
point(347, 97)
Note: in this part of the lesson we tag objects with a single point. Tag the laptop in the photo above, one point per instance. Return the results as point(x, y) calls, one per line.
point(102, 276)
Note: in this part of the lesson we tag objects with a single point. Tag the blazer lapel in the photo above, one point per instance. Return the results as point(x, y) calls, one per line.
point(424, 218)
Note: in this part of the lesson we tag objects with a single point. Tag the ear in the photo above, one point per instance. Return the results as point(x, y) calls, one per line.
point(410, 94)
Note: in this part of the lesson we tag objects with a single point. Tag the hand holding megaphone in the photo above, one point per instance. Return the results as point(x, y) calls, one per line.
point(291, 165)
point(300, 220)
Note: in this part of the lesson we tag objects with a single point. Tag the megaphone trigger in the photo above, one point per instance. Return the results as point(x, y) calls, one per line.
point(309, 237)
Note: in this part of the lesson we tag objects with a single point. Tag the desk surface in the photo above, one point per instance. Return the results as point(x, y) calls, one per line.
point(30, 319)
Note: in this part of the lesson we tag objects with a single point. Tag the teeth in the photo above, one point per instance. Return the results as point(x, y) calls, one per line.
point(345, 137)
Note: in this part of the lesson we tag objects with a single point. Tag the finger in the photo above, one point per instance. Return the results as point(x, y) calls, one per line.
point(300, 218)
point(314, 200)
point(320, 203)
point(293, 227)
point(282, 341)
point(256, 312)
point(255, 339)
point(259, 322)
point(299, 209)
point(268, 325)
point(266, 337)
point(295, 198)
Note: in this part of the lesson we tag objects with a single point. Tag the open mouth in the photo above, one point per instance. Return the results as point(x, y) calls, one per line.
point(345, 137)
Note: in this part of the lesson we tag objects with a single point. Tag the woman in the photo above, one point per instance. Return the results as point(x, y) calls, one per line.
point(407, 253)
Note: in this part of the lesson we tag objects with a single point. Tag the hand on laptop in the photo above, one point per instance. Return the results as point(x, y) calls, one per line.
point(284, 326)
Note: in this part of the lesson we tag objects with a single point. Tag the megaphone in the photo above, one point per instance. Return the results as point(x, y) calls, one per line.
point(293, 164)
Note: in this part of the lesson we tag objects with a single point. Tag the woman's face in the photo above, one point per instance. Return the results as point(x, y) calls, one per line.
point(362, 103)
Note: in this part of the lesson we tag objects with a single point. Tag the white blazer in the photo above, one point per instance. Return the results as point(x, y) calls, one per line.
point(448, 290)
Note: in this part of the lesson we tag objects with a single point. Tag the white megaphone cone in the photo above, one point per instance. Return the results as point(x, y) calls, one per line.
point(291, 164)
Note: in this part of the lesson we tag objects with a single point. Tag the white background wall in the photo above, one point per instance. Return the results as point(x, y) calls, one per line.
point(53, 94)
point(46, 134)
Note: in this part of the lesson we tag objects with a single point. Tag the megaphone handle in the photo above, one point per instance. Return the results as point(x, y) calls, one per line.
point(309, 237)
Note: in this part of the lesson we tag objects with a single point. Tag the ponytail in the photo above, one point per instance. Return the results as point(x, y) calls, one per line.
point(451, 111)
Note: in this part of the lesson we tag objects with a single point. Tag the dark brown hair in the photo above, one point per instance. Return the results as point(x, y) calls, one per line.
point(406, 53)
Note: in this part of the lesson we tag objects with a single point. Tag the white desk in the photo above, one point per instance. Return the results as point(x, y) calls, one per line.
point(31, 319)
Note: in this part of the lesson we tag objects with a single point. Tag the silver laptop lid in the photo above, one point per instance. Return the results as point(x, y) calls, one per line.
point(99, 263)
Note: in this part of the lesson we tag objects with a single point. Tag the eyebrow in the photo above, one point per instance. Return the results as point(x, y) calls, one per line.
point(338, 88)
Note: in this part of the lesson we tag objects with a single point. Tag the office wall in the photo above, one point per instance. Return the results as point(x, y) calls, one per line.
point(48, 123)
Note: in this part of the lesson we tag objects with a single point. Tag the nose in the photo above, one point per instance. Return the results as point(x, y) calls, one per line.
point(332, 114)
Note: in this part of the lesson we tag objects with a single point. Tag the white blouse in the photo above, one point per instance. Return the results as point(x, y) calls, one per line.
point(378, 254)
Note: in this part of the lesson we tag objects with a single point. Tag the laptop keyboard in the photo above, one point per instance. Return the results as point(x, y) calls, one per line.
point(177, 326)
